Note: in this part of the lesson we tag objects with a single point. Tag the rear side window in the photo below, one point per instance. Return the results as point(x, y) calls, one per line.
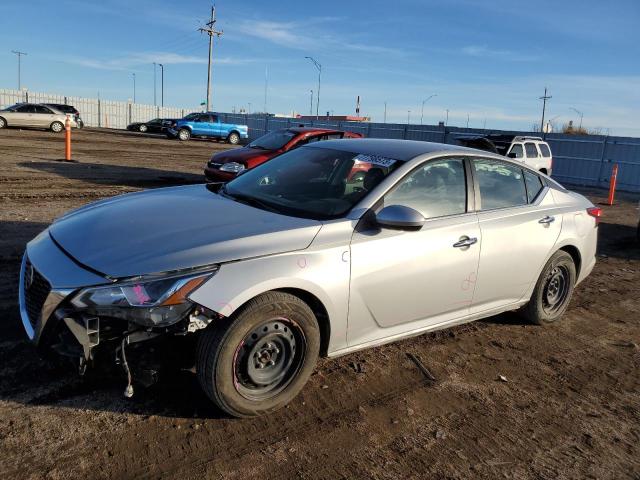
point(501, 185)
point(516, 151)
point(544, 149)
point(533, 184)
point(435, 190)
point(41, 109)
point(532, 151)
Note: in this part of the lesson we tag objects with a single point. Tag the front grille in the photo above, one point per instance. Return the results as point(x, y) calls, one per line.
point(36, 289)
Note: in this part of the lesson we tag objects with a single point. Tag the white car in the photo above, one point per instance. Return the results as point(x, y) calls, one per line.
point(532, 151)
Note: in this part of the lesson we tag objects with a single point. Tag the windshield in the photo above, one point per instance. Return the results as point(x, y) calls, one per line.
point(273, 140)
point(11, 108)
point(318, 183)
point(191, 116)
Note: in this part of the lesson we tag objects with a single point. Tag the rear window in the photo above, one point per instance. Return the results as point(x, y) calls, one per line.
point(544, 149)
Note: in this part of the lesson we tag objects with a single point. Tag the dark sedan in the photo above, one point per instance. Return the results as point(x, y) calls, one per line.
point(157, 125)
point(224, 166)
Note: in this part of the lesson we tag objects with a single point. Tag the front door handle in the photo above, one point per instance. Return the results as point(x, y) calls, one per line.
point(547, 220)
point(465, 242)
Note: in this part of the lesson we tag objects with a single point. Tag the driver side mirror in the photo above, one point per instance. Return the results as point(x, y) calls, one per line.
point(399, 217)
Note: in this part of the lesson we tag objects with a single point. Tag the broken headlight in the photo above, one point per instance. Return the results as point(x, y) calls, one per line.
point(155, 301)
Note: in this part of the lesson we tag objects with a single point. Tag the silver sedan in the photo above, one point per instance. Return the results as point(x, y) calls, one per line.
point(300, 257)
point(36, 116)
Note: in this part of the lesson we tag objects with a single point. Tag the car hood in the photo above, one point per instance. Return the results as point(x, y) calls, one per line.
point(173, 229)
point(243, 155)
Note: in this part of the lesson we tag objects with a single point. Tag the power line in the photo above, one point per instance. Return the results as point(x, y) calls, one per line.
point(19, 54)
point(211, 31)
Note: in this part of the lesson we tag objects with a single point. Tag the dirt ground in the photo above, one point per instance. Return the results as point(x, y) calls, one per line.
point(570, 407)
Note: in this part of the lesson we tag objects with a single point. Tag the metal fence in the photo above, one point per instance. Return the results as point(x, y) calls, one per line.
point(577, 160)
point(96, 112)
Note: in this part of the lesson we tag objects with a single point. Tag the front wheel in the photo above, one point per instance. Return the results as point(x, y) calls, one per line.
point(259, 359)
point(57, 127)
point(553, 290)
point(184, 134)
point(233, 138)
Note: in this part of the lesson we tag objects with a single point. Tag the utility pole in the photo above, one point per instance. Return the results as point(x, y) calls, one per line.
point(134, 87)
point(423, 102)
point(446, 121)
point(408, 116)
point(544, 107)
point(211, 31)
point(319, 67)
point(19, 54)
point(467, 120)
point(249, 112)
point(385, 112)
point(311, 104)
point(266, 81)
point(161, 84)
point(579, 113)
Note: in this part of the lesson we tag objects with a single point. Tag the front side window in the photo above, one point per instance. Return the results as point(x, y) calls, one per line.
point(532, 151)
point(516, 151)
point(311, 182)
point(544, 149)
point(501, 185)
point(436, 189)
point(534, 185)
point(25, 109)
point(273, 140)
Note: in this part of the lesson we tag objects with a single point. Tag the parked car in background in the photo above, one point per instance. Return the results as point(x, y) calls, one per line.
point(34, 115)
point(157, 125)
point(70, 109)
point(251, 281)
point(207, 125)
point(532, 151)
point(224, 166)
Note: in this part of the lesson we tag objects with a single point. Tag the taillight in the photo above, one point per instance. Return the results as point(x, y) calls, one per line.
point(596, 213)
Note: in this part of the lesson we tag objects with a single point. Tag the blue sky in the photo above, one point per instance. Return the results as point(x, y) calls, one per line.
point(487, 59)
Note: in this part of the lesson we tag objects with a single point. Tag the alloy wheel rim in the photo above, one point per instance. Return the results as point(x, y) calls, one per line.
point(183, 135)
point(56, 127)
point(556, 289)
point(268, 359)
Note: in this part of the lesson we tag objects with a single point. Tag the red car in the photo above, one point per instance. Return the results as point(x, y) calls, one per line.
point(224, 166)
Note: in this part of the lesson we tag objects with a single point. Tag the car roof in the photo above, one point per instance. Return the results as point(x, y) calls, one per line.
point(403, 150)
point(312, 130)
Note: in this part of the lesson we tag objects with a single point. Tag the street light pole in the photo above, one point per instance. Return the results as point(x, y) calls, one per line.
point(423, 102)
point(19, 54)
point(408, 117)
point(154, 84)
point(319, 67)
point(311, 104)
point(385, 112)
point(134, 87)
point(161, 84)
point(446, 121)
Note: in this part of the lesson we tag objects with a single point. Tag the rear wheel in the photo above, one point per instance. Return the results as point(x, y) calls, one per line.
point(142, 128)
point(259, 359)
point(3, 122)
point(57, 127)
point(184, 134)
point(233, 138)
point(553, 290)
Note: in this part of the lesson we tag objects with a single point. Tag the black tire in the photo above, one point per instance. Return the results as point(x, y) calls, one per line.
point(265, 331)
point(143, 128)
point(184, 134)
point(233, 138)
point(56, 127)
point(3, 123)
point(552, 293)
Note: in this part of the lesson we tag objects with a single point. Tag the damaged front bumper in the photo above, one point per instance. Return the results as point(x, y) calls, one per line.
point(49, 280)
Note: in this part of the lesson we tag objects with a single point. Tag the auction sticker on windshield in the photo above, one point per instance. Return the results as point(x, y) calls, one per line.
point(375, 160)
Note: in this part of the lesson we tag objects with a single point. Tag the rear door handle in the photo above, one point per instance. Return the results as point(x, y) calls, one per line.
point(547, 220)
point(465, 242)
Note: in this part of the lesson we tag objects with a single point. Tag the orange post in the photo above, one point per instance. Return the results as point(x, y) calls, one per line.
point(612, 183)
point(67, 139)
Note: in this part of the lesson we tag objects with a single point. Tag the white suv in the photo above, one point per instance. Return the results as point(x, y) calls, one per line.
point(532, 151)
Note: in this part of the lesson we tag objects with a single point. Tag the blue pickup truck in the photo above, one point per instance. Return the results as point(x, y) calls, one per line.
point(207, 125)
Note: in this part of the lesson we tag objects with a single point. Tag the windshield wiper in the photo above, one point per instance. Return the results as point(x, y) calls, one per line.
point(259, 147)
point(249, 200)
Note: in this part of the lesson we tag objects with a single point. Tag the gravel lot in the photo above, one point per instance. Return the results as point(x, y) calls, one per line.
point(570, 407)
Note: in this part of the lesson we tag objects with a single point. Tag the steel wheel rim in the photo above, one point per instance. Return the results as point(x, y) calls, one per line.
point(268, 359)
point(556, 289)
